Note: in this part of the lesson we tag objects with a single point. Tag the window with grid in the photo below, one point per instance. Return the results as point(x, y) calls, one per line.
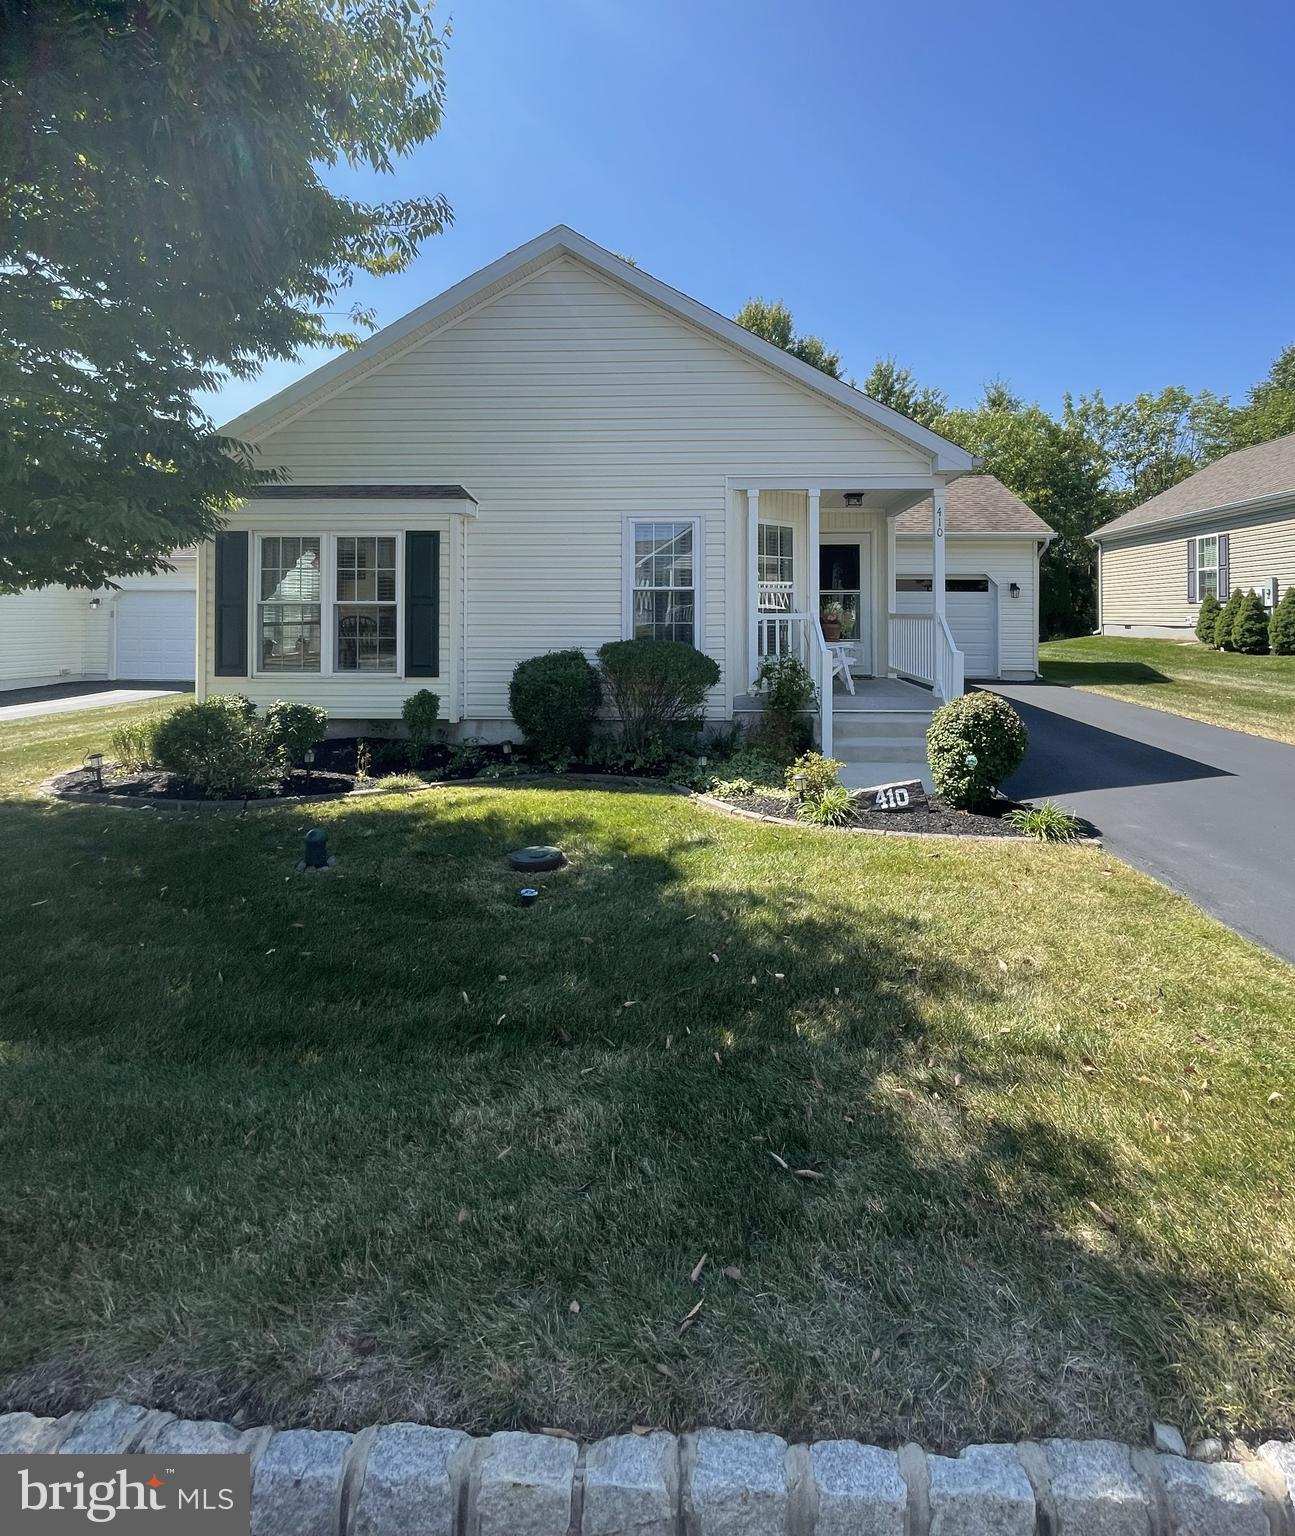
point(364, 615)
point(1207, 566)
point(288, 605)
point(774, 567)
point(665, 586)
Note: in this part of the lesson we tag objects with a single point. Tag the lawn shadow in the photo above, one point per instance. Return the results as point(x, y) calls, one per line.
point(1078, 674)
point(391, 1124)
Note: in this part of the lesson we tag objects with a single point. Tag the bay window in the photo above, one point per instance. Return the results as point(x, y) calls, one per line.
point(328, 603)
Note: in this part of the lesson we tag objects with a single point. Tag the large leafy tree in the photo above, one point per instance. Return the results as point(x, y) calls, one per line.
point(1152, 441)
point(1269, 410)
point(165, 224)
point(773, 321)
point(891, 385)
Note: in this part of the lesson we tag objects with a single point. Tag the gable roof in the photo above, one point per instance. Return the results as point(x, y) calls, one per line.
point(1258, 474)
point(976, 504)
point(946, 457)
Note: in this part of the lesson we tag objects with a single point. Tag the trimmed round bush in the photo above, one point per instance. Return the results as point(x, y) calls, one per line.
point(1226, 621)
point(656, 686)
point(291, 730)
point(974, 743)
point(215, 744)
point(1207, 619)
point(553, 698)
point(1250, 632)
point(1281, 627)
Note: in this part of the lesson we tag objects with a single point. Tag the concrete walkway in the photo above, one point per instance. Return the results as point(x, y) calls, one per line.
point(25, 703)
point(1208, 811)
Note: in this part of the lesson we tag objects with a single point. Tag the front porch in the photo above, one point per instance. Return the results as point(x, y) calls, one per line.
point(823, 584)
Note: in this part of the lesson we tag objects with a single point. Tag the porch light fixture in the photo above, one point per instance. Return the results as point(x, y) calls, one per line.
point(1015, 589)
point(94, 762)
point(95, 601)
point(854, 498)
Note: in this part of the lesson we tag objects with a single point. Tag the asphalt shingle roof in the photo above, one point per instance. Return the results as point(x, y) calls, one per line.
point(975, 504)
point(1267, 469)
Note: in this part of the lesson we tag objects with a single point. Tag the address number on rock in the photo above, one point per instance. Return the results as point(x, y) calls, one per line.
point(908, 796)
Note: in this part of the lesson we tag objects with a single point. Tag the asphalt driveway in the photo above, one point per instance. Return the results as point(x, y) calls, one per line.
point(1208, 811)
point(59, 698)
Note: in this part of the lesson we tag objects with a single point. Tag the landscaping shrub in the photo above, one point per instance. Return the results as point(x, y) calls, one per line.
point(1281, 627)
point(1208, 618)
point(134, 745)
point(747, 766)
point(421, 713)
point(1226, 621)
point(974, 743)
point(215, 744)
point(1250, 631)
point(787, 690)
point(553, 699)
point(831, 809)
point(818, 772)
point(1047, 822)
point(293, 729)
point(656, 686)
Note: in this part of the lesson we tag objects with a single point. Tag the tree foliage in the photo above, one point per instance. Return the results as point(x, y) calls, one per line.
point(1250, 630)
point(773, 321)
point(1269, 410)
point(1226, 623)
point(1207, 619)
point(889, 384)
point(165, 226)
point(1281, 627)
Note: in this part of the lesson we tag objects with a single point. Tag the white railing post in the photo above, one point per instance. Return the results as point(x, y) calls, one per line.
point(811, 553)
point(753, 582)
point(892, 575)
point(814, 637)
point(937, 551)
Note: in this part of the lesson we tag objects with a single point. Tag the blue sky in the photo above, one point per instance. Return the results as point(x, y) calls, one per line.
point(1069, 195)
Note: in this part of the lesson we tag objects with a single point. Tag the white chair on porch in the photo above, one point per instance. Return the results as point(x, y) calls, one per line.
point(841, 665)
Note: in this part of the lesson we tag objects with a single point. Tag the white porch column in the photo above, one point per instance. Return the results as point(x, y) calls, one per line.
point(937, 549)
point(811, 553)
point(892, 561)
point(753, 582)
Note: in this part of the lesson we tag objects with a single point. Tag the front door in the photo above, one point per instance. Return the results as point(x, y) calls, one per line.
point(844, 602)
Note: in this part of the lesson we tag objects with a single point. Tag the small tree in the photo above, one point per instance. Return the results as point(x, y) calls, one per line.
point(293, 729)
point(1281, 627)
point(421, 713)
point(1208, 618)
point(1250, 632)
point(1226, 621)
point(655, 686)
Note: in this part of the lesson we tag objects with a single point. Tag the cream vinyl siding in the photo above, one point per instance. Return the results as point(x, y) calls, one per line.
point(568, 405)
point(49, 636)
point(1004, 560)
point(346, 696)
point(1144, 580)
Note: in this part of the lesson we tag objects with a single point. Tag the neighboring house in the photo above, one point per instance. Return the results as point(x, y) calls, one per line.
point(141, 630)
point(1232, 524)
point(561, 451)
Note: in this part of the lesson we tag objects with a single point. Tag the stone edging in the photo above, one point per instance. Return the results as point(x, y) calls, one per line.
point(400, 1479)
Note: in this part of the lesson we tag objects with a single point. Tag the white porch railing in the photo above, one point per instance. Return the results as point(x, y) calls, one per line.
point(922, 647)
point(801, 635)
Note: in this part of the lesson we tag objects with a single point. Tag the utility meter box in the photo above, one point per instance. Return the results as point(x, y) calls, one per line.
point(1269, 592)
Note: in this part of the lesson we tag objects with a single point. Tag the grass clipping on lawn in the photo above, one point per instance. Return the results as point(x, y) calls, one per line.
point(978, 1142)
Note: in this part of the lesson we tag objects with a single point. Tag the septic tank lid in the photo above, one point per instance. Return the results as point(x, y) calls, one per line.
point(537, 859)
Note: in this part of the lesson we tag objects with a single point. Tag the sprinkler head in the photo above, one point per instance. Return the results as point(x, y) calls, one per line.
point(527, 895)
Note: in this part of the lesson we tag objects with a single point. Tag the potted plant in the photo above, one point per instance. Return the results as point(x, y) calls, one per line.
point(832, 617)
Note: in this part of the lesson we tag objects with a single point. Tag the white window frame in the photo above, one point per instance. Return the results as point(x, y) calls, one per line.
point(627, 574)
point(328, 602)
point(1201, 541)
point(789, 587)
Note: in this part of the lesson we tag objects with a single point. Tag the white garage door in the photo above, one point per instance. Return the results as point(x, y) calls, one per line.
point(155, 636)
point(971, 606)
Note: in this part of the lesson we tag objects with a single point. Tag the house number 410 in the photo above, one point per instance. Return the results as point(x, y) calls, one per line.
point(891, 799)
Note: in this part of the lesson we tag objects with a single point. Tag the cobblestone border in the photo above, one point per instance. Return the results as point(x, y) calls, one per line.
point(409, 1480)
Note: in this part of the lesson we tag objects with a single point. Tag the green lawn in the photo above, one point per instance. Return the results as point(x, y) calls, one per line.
point(978, 1141)
point(1255, 694)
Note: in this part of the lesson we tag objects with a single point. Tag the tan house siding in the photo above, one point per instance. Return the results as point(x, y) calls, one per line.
point(1004, 561)
point(1143, 585)
point(568, 405)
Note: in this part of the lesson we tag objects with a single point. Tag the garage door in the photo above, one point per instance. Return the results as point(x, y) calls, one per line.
point(155, 636)
point(971, 606)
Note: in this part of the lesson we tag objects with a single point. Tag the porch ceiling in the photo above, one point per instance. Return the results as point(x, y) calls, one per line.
point(892, 503)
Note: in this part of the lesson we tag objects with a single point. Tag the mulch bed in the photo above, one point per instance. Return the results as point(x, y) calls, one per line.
point(938, 818)
point(156, 784)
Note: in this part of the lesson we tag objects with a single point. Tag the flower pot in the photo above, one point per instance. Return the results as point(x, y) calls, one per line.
point(831, 629)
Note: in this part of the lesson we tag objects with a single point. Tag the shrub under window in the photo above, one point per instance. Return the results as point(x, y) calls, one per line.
point(553, 698)
point(974, 743)
point(293, 729)
point(215, 744)
point(656, 686)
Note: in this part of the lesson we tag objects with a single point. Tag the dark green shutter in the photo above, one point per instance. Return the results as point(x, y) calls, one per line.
point(231, 605)
point(422, 604)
